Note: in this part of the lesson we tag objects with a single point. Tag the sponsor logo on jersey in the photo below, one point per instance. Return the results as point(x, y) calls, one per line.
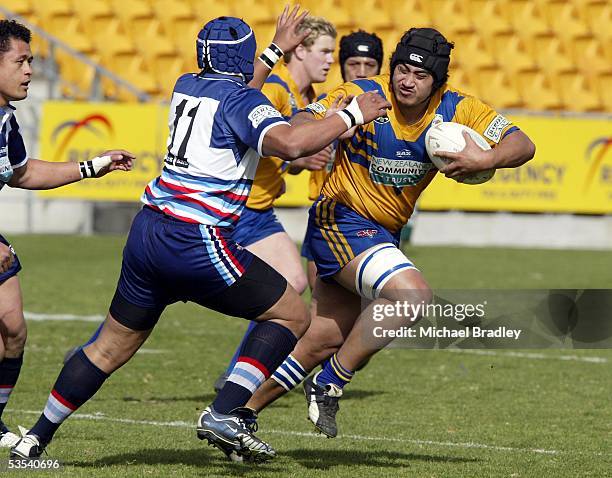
point(415, 57)
point(261, 113)
point(495, 128)
point(398, 172)
point(367, 233)
point(437, 120)
point(404, 153)
point(316, 107)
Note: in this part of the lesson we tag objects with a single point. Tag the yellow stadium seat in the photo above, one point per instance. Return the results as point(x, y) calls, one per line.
point(472, 52)
point(166, 70)
point(151, 41)
point(512, 54)
point(255, 12)
point(136, 71)
point(206, 10)
point(462, 81)
point(579, 93)
point(77, 77)
point(490, 17)
point(599, 18)
point(175, 16)
point(19, 7)
point(132, 10)
point(72, 33)
point(450, 16)
point(498, 89)
point(552, 56)
point(113, 41)
point(567, 21)
point(185, 40)
point(528, 19)
point(56, 8)
point(379, 14)
point(539, 91)
point(331, 10)
point(604, 83)
point(264, 33)
point(410, 13)
point(590, 56)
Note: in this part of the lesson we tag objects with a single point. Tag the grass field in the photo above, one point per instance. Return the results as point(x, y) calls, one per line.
point(416, 413)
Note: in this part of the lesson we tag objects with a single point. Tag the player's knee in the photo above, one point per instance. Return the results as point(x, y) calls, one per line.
point(15, 341)
point(299, 282)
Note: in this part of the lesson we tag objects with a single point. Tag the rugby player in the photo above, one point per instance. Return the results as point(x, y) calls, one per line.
point(364, 202)
point(289, 88)
point(180, 248)
point(19, 171)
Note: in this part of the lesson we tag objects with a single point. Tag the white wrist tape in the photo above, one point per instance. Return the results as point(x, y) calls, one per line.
point(351, 115)
point(271, 55)
point(91, 168)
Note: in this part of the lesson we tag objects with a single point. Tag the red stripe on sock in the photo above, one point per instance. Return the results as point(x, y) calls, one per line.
point(63, 401)
point(255, 363)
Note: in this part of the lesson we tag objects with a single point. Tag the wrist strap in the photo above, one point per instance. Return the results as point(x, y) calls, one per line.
point(271, 55)
point(91, 168)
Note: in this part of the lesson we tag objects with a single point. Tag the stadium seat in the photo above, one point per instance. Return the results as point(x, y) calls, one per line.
point(70, 31)
point(551, 55)
point(113, 41)
point(151, 41)
point(513, 55)
point(166, 69)
point(137, 72)
point(379, 14)
point(77, 77)
point(599, 19)
point(450, 16)
point(56, 8)
point(498, 89)
point(490, 17)
point(472, 53)
point(176, 17)
point(528, 19)
point(604, 83)
point(539, 91)
point(590, 57)
point(579, 93)
point(410, 13)
point(567, 21)
point(19, 7)
point(255, 12)
point(206, 10)
point(331, 10)
point(462, 81)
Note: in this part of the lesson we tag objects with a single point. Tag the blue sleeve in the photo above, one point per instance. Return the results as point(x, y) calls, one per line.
point(249, 114)
point(16, 147)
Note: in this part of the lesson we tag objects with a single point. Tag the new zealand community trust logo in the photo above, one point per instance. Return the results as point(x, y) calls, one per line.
point(97, 124)
point(595, 154)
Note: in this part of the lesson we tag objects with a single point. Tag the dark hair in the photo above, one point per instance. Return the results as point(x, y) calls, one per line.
point(12, 29)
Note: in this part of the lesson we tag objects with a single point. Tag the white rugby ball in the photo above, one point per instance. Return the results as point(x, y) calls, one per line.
point(448, 136)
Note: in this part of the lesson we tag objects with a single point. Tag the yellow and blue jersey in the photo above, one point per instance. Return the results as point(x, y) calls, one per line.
point(381, 171)
point(285, 96)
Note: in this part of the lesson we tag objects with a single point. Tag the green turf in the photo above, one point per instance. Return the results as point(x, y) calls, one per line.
point(409, 413)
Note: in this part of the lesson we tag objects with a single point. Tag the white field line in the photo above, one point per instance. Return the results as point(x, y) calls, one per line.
point(182, 424)
point(82, 318)
point(531, 355)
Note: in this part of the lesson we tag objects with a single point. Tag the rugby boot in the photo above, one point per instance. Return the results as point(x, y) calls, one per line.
point(322, 406)
point(28, 447)
point(8, 439)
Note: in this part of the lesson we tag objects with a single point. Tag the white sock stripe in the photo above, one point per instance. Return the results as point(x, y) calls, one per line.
point(281, 381)
point(289, 380)
point(296, 364)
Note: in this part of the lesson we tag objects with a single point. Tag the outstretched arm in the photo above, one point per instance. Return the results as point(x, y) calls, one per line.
point(307, 136)
point(287, 37)
point(37, 174)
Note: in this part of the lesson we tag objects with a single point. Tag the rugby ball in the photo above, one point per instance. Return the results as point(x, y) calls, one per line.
point(448, 136)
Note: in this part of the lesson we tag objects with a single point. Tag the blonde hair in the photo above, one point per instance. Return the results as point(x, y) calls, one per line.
point(319, 27)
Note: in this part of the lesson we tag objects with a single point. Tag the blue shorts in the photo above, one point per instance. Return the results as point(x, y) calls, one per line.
point(15, 268)
point(166, 260)
point(337, 234)
point(255, 225)
point(306, 252)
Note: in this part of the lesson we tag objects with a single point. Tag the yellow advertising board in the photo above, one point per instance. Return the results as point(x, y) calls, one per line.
point(571, 172)
point(80, 131)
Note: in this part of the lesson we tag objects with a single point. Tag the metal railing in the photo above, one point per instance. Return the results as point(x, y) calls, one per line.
point(51, 71)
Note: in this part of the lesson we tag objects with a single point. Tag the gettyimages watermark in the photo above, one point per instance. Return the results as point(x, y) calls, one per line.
point(490, 319)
